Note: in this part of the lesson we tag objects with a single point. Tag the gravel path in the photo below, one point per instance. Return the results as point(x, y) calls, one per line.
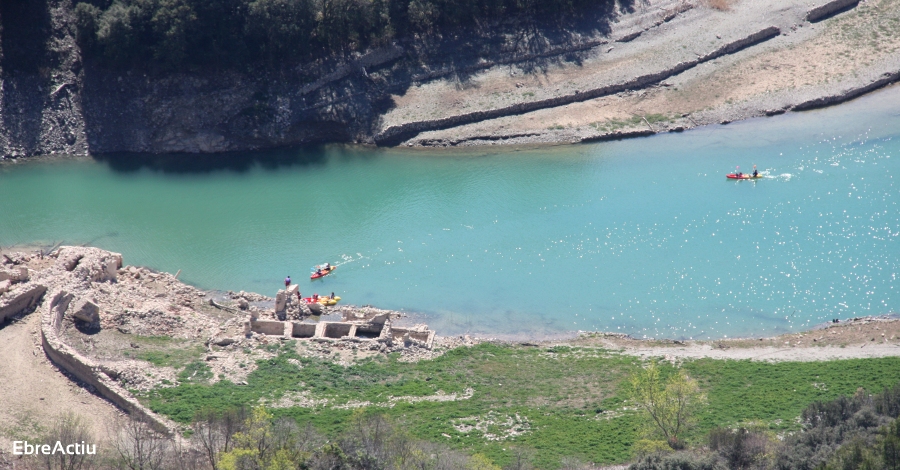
point(771, 354)
point(859, 338)
point(33, 392)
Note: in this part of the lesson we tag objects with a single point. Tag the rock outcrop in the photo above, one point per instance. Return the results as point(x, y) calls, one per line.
point(86, 311)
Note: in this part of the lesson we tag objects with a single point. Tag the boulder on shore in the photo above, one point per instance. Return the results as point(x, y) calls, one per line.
point(86, 311)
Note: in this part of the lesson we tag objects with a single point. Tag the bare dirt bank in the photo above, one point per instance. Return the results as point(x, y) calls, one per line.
point(33, 391)
point(704, 66)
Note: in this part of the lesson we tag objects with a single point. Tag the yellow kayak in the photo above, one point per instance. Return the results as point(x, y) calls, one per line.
point(329, 300)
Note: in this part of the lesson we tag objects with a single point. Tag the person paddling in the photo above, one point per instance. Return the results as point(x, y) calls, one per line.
point(755, 173)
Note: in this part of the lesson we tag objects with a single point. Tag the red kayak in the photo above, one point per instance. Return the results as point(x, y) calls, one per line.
point(322, 273)
point(735, 176)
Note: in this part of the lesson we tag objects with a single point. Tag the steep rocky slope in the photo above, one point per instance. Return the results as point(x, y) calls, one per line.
point(667, 65)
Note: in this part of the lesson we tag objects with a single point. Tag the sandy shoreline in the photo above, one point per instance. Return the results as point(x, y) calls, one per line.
point(863, 337)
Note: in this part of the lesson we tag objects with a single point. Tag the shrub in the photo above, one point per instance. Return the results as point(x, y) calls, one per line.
point(836, 432)
point(679, 461)
point(645, 447)
point(740, 448)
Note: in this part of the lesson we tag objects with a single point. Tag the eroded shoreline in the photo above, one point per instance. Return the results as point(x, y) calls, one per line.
point(875, 329)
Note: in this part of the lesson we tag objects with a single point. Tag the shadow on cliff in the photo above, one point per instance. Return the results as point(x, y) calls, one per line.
point(24, 71)
point(533, 39)
point(237, 162)
point(140, 111)
point(529, 44)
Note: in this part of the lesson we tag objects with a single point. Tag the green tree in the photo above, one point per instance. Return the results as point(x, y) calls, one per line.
point(118, 33)
point(253, 447)
point(86, 18)
point(281, 29)
point(172, 22)
point(267, 444)
point(669, 404)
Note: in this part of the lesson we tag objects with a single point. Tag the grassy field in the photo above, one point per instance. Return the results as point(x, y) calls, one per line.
point(555, 402)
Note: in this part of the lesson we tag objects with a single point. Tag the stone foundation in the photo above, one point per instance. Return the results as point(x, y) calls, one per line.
point(376, 328)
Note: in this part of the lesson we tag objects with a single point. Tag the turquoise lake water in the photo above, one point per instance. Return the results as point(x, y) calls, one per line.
point(643, 236)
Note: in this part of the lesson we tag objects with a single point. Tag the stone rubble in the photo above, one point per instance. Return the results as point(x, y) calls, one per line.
point(110, 311)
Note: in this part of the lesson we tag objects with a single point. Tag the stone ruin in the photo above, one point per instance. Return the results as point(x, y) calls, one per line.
point(91, 288)
point(357, 325)
point(16, 296)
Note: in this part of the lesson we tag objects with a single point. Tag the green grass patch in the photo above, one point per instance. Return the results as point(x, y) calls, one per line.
point(175, 357)
point(561, 401)
point(195, 372)
point(776, 393)
point(654, 118)
point(611, 125)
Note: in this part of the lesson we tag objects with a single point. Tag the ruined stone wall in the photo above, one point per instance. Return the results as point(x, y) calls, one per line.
point(828, 9)
point(20, 299)
point(375, 326)
point(268, 327)
point(86, 370)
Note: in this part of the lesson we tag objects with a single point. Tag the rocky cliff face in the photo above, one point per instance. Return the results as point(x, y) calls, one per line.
point(54, 102)
point(511, 82)
point(40, 70)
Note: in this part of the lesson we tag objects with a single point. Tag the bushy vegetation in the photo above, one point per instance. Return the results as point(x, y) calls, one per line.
point(564, 406)
point(570, 401)
point(249, 439)
point(179, 34)
point(858, 432)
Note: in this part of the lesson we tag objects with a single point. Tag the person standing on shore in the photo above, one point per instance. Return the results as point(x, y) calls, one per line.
point(287, 281)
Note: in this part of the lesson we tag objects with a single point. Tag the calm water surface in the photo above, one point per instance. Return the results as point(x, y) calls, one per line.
point(643, 236)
